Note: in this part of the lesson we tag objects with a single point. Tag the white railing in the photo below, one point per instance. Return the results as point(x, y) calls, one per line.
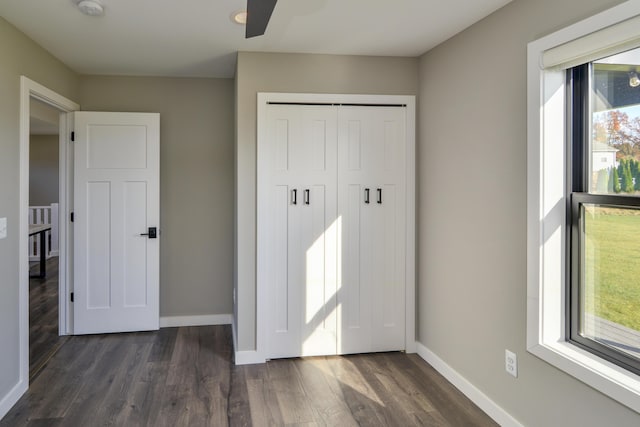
point(44, 215)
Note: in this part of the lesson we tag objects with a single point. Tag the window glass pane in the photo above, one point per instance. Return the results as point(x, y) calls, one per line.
point(610, 277)
point(615, 125)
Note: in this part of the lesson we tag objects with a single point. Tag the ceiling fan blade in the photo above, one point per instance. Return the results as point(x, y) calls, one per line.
point(258, 15)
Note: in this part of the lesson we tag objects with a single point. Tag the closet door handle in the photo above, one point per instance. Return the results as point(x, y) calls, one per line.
point(307, 197)
point(366, 195)
point(152, 233)
point(379, 196)
point(294, 197)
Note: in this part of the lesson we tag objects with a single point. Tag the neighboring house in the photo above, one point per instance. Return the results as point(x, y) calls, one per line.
point(603, 156)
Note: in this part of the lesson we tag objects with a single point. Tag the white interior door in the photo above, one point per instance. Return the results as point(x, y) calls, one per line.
point(299, 250)
point(116, 205)
point(371, 204)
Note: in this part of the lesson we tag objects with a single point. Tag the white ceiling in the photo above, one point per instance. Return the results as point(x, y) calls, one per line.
point(196, 38)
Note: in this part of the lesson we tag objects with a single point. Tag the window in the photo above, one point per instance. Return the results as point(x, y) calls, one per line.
point(604, 220)
point(575, 204)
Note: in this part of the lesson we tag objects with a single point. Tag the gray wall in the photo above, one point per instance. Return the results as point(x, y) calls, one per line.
point(264, 72)
point(472, 238)
point(44, 157)
point(20, 56)
point(196, 182)
point(472, 227)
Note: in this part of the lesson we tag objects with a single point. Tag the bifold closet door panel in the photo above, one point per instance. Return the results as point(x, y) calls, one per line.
point(300, 248)
point(389, 260)
point(285, 321)
point(304, 267)
point(317, 263)
point(371, 205)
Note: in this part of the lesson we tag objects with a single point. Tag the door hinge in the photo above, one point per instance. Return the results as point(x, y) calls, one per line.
point(72, 217)
point(73, 136)
point(71, 296)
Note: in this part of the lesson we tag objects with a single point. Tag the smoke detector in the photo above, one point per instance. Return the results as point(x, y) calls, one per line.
point(91, 7)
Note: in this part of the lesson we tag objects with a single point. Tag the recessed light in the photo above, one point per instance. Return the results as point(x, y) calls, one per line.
point(239, 17)
point(91, 7)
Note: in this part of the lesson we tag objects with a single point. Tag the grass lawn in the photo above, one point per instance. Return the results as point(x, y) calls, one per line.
point(612, 274)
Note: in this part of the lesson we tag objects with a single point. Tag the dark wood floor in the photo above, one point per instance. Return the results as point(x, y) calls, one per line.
point(185, 377)
point(43, 317)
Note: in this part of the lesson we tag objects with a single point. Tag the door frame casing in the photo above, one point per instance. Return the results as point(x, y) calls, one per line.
point(262, 307)
point(31, 89)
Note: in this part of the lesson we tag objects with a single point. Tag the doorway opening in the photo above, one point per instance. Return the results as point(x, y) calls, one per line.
point(43, 111)
point(44, 182)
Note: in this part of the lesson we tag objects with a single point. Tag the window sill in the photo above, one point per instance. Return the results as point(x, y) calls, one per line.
point(605, 377)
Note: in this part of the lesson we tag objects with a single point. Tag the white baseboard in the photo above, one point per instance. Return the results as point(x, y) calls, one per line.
point(203, 320)
point(233, 334)
point(248, 358)
point(12, 397)
point(483, 401)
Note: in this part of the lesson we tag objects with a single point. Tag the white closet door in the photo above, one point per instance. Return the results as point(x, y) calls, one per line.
point(299, 247)
point(371, 205)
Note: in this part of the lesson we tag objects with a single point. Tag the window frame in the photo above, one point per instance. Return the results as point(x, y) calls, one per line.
point(577, 200)
point(548, 189)
point(579, 89)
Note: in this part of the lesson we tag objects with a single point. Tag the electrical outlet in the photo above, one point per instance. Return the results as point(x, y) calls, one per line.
point(3, 228)
point(511, 363)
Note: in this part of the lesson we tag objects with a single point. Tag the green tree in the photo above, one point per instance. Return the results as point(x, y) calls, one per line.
point(633, 164)
point(610, 181)
point(627, 179)
point(635, 173)
point(616, 181)
point(620, 167)
point(623, 179)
